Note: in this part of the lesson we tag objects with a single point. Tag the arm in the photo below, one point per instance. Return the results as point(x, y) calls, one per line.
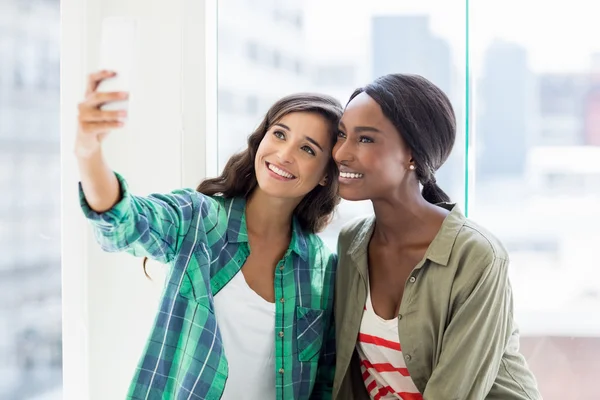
point(151, 226)
point(475, 339)
point(326, 371)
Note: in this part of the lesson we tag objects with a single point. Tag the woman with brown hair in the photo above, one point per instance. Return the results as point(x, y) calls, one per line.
point(249, 292)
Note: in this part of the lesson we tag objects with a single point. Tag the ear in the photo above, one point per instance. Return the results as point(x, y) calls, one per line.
point(324, 181)
point(411, 164)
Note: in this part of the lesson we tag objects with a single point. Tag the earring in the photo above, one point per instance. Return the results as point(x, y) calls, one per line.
point(411, 167)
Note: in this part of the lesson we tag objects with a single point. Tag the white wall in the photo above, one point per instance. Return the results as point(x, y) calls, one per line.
point(108, 305)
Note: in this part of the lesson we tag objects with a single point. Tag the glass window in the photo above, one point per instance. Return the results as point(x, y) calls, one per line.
point(537, 146)
point(529, 171)
point(30, 292)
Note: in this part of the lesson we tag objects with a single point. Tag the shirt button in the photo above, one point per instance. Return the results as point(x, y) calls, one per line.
point(281, 267)
point(399, 316)
point(281, 300)
point(281, 334)
point(412, 279)
point(281, 371)
point(407, 357)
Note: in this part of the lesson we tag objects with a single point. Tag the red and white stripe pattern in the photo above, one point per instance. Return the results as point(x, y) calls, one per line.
point(381, 361)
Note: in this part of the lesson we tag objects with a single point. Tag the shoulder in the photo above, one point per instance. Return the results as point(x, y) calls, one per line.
point(475, 243)
point(354, 233)
point(319, 251)
point(479, 259)
point(353, 226)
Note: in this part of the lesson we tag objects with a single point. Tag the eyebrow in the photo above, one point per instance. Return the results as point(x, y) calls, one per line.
point(359, 129)
point(287, 128)
point(313, 141)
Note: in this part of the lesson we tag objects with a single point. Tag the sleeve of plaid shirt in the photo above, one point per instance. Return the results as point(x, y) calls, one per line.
point(150, 226)
point(326, 370)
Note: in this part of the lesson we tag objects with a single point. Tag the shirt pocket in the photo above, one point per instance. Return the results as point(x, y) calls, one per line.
point(310, 323)
point(194, 288)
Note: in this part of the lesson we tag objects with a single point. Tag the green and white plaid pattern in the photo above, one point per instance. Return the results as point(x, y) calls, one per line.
point(205, 243)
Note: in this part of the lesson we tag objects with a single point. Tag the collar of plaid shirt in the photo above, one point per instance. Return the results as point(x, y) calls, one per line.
point(238, 233)
point(205, 243)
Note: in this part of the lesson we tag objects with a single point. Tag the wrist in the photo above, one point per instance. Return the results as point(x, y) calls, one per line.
point(86, 155)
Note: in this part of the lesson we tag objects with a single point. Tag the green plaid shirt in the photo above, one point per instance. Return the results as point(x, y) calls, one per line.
point(205, 243)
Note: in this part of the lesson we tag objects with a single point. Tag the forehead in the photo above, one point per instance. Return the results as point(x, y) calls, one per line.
point(302, 117)
point(363, 110)
point(305, 122)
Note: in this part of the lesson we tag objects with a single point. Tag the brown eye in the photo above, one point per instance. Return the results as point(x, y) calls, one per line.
point(309, 150)
point(279, 135)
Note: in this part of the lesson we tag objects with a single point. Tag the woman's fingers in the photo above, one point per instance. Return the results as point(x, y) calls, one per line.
point(95, 79)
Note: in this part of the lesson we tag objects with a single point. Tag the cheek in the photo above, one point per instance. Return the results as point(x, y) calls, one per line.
point(263, 148)
point(378, 165)
point(368, 158)
point(386, 172)
point(257, 158)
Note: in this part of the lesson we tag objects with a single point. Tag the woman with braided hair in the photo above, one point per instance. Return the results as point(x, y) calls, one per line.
point(423, 303)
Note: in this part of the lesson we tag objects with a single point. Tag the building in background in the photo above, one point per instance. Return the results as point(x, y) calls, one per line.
point(505, 109)
point(592, 104)
point(406, 44)
point(562, 99)
point(30, 277)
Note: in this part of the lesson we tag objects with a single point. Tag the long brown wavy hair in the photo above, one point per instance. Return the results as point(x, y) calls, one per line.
point(238, 178)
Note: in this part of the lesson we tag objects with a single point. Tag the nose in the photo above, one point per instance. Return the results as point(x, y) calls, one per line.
point(342, 152)
point(285, 154)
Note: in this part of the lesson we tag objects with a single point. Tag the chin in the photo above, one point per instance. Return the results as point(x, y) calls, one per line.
point(277, 194)
point(351, 195)
point(275, 190)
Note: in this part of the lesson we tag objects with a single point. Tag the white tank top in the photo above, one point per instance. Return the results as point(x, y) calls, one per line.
point(382, 364)
point(247, 324)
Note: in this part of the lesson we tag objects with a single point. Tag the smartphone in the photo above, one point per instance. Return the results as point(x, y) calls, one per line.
point(117, 53)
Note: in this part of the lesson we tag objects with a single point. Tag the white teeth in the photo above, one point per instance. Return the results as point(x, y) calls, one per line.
point(280, 172)
point(350, 175)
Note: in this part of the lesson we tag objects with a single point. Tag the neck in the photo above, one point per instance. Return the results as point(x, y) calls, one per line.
point(403, 217)
point(267, 216)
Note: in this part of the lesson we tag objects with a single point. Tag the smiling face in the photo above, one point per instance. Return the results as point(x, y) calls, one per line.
point(372, 158)
point(293, 155)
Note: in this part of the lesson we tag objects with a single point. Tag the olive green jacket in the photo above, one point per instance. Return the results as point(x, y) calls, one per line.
point(455, 322)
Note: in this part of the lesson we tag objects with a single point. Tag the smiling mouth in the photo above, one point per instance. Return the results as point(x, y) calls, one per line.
point(279, 171)
point(350, 175)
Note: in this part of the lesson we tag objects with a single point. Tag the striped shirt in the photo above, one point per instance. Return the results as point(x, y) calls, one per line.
point(204, 241)
point(381, 361)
